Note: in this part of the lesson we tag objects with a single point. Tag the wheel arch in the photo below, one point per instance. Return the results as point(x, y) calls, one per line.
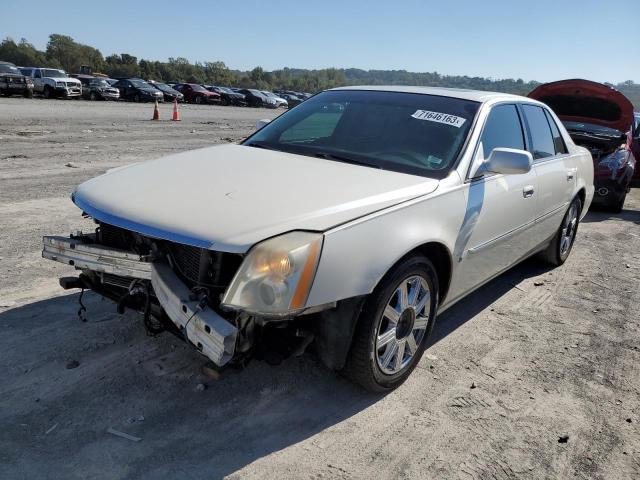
point(440, 256)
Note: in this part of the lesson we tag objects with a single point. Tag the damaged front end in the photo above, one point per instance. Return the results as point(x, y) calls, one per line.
point(176, 287)
point(181, 288)
point(600, 119)
point(613, 160)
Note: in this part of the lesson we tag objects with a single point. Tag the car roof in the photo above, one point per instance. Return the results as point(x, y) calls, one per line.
point(474, 95)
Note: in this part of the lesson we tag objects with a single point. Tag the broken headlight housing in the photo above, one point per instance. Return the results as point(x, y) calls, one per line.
point(276, 276)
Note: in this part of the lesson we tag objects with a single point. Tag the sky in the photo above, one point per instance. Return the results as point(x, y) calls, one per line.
point(540, 40)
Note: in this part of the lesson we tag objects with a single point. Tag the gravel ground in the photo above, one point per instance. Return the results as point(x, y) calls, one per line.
point(533, 376)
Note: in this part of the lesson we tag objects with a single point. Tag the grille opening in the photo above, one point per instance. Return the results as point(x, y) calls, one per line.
point(196, 266)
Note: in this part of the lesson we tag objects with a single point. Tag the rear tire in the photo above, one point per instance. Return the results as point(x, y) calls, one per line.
point(560, 247)
point(393, 328)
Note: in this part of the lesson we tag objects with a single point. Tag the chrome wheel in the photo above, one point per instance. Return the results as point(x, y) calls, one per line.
point(403, 325)
point(568, 232)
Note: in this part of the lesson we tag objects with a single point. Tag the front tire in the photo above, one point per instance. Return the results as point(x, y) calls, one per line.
point(47, 92)
point(394, 326)
point(560, 247)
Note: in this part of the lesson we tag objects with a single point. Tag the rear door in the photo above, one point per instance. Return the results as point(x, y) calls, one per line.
point(500, 211)
point(555, 169)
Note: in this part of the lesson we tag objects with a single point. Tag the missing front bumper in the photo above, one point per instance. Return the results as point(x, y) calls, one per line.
point(214, 336)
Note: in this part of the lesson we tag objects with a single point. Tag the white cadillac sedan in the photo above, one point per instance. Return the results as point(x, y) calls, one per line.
point(345, 225)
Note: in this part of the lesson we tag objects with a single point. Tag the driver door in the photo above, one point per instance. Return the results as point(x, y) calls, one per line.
point(501, 208)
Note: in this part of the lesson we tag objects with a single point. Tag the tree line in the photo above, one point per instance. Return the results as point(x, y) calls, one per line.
point(64, 52)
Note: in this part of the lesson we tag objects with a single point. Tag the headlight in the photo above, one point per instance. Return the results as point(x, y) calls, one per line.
point(276, 276)
point(59, 84)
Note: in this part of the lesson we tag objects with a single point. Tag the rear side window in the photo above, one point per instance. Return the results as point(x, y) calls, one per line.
point(558, 141)
point(541, 140)
point(502, 130)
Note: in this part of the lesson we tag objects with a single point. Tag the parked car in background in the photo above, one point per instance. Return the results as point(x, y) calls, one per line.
point(227, 96)
point(255, 98)
point(600, 119)
point(137, 90)
point(111, 81)
point(170, 93)
point(52, 82)
point(194, 93)
point(348, 223)
point(97, 88)
point(635, 147)
point(292, 100)
point(280, 102)
point(14, 82)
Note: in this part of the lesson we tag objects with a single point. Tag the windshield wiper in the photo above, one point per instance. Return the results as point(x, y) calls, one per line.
point(345, 159)
point(260, 145)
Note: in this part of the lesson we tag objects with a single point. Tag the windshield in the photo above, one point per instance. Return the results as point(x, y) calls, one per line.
point(591, 128)
point(225, 90)
point(140, 84)
point(49, 72)
point(162, 86)
point(9, 69)
point(404, 132)
point(100, 83)
point(198, 88)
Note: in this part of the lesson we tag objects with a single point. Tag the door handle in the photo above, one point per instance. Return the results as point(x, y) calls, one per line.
point(528, 191)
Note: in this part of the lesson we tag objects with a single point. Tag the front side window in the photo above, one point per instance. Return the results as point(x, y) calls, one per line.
point(502, 130)
point(542, 145)
point(558, 141)
point(404, 132)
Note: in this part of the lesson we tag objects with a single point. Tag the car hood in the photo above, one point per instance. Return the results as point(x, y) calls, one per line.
point(586, 101)
point(230, 197)
point(64, 79)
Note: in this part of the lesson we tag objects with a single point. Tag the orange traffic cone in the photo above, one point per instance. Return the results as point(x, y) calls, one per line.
point(176, 114)
point(156, 112)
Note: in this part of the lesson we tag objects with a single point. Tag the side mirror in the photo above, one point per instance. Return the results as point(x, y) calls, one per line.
point(508, 161)
point(262, 123)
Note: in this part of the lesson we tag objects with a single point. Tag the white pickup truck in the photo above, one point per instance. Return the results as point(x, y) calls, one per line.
point(51, 82)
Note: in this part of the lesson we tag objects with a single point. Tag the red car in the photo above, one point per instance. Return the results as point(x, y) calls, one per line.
point(194, 93)
point(635, 146)
point(600, 119)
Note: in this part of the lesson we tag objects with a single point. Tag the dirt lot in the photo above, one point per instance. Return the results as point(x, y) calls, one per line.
point(534, 376)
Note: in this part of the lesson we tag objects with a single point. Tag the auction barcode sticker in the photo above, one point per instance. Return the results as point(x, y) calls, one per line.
point(446, 118)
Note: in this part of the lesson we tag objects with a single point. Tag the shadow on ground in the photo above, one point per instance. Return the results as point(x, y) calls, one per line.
point(147, 387)
point(600, 214)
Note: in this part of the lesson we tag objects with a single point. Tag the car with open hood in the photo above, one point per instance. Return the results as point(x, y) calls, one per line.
point(345, 225)
point(601, 119)
point(14, 82)
point(53, 82)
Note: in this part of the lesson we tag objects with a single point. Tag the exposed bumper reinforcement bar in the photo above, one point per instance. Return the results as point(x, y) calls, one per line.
point(74, 251)
point(208, 331)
